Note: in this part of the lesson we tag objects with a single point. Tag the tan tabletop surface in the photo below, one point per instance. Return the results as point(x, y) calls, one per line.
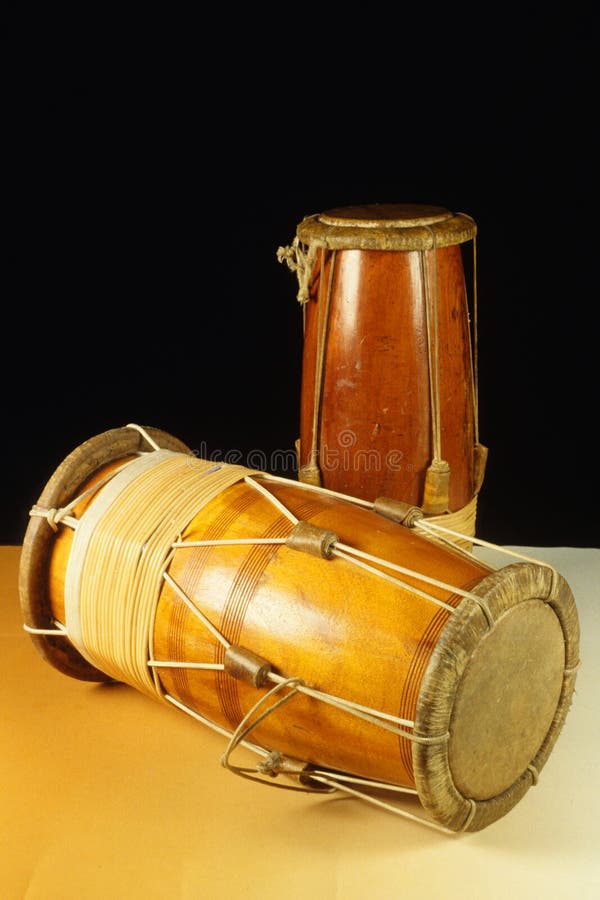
point(109, 794)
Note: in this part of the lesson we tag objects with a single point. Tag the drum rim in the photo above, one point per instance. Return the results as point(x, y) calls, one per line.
point(454, 228)
point(64, 484)
point(502, 590)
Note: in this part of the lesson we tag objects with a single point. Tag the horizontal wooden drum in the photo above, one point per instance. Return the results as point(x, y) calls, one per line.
point(344, 650)
point(389, 386)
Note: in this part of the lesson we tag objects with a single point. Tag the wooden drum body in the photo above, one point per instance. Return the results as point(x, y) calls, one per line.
point(388, 394)
point(347, 651)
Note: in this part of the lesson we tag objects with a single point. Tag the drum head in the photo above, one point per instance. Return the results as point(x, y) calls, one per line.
point(63, 487)
point(386, 215)
point(387, 226)
point(499, 691)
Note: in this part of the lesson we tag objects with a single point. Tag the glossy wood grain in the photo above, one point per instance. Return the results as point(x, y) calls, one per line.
point(341, 629)
point(375, 433)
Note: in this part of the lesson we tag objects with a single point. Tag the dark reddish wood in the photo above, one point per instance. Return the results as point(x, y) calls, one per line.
point(375, 428)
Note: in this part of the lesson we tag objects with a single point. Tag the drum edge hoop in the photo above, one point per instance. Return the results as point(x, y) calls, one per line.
point(501, 590)
point(457, 229)
point(63, 486)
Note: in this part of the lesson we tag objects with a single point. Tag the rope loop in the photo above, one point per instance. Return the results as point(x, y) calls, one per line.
point(246, 725)
point(53, 516)
point(50, 515)
point(300, 262)
point(470, 814)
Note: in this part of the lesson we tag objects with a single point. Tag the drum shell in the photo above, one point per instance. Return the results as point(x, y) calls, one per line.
point(375, 420)
point(388, 402)
point(345, 631)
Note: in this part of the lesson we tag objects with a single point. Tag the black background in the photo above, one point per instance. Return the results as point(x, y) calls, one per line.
point(155, 170)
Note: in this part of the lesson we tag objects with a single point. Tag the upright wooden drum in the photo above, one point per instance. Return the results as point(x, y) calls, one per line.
point(344, 650)
point(389, 388)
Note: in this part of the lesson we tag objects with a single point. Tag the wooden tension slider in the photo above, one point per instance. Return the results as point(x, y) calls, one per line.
point(398, 511)
point(479, 464)
point(312, 539)
point(437, 488)
point(246, 666)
